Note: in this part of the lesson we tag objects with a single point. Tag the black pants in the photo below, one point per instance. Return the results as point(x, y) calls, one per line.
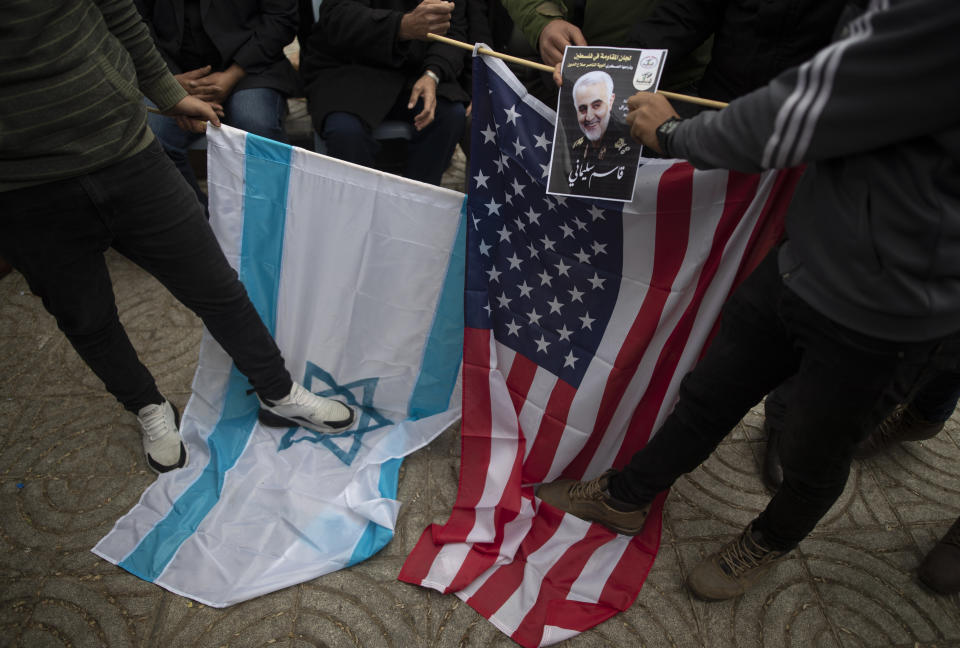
point(845, 384)
point(934, 401)
point(56, 234)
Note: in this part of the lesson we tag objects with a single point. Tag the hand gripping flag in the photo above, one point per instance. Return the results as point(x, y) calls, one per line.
point(580, 320)
point(359, 275)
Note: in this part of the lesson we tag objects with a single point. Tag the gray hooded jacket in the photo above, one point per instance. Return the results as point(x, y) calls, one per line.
point(874, 227)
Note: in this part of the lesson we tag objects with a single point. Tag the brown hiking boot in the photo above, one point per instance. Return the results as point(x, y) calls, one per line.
point(940, 569)
point(734, 569)
point(903, 425)
point(590, 500)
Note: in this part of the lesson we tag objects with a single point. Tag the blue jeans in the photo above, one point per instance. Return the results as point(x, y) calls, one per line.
point(56, 234)
point(348, 138)
point(258, 110)
point(845, 384)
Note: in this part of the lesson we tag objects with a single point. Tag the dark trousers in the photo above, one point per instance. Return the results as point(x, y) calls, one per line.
point(428, 154)
point(934, 401)
point(937, 398)
point(56, 234)
point(845, 384)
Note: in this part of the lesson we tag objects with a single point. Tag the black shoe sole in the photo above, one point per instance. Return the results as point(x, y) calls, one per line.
point(181, 462)
point(275, 420)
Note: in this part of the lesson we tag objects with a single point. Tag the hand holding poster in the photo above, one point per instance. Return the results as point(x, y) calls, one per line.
point(593, 155)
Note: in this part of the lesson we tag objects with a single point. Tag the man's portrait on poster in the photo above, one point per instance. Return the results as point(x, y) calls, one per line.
point(593, 155)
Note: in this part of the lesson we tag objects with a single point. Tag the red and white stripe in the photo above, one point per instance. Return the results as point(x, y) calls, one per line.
point(538, 575)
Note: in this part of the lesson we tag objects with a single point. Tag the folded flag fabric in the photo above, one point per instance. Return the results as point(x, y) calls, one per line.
point(581, 317)
point(359, 275)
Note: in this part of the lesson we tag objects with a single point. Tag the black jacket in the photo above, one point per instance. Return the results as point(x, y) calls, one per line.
point(754, 40)
point(250, 33)
point(488, 22)
point(352, 61)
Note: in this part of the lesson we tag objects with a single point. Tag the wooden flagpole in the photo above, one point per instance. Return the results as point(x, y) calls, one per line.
point(710, 103)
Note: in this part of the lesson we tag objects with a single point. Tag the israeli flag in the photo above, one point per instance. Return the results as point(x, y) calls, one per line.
point(359, 276)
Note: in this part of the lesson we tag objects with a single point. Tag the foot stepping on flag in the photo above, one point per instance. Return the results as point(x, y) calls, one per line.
point(359, 275)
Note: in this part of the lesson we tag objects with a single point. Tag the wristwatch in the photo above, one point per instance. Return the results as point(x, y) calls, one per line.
point(665, 134)
point(432, 75)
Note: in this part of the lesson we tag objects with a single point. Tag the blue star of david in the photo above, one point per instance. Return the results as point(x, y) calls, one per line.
point(368, 418)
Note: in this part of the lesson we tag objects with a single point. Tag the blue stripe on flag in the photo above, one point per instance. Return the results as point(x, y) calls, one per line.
point(266, 179)
point(435, 384)
point(444, 348)
point(266, 182)
point(376, 537)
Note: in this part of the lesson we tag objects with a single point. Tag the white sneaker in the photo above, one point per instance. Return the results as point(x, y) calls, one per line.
point(301, 408)
point(160, 425)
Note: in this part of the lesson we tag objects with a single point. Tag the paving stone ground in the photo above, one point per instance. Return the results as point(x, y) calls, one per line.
point(71, 464)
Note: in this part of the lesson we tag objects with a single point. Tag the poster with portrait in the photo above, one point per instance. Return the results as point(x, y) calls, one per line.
point(593, 155)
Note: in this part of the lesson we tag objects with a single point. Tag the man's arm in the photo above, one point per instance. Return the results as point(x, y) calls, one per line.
point(442, 63)
point(124, 22)
point(893, 77)
point(373, 36)
point(446, 60)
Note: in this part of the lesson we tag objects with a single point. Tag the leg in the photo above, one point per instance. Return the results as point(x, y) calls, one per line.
point(348, 138)
point(936, 400)
point(259, 111)
point(55, 236)
point(156, 221)
point(158, 224)
point(847, 383)
point(431, 149)
point(774, 413)
point(920, 418)
point(751, 354)
point(175, 141)
point(775, 405)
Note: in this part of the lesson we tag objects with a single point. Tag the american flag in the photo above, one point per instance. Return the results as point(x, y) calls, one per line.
point(581, 317)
